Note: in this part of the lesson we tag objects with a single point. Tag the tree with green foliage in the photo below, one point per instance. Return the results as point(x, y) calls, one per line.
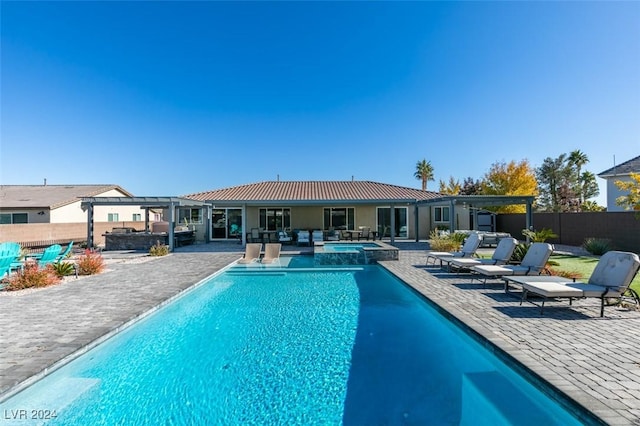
point(591, 206)
point(510, 179)
point(631, 201)
point(552, 175)
point(424, 172)
point(471, 187)
point(451, 188)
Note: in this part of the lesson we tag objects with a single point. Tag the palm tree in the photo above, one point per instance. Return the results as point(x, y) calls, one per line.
point(424, 172)
point(578, 159)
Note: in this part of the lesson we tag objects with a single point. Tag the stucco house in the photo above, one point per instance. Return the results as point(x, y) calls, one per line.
point(391, 211)
point(621, 172)
point(20, 204)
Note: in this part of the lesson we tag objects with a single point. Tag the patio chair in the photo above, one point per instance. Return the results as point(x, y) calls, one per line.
point(317, 236)
point(365, 233)
point(255, 235)
point(49, 255)
point(6, 262)
point(251, 253)
point(10, 248)
point(58, 258)
point(468, 250)
point(271, 253)
point(610, 278)
point(500, 256)
point(303, 237)
point(533, 263)
point(332, 235)
point(284, 237)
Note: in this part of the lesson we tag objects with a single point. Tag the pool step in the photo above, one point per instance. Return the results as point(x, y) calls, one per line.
point(488, 398)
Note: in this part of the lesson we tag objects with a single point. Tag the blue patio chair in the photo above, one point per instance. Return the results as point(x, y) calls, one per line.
point(12, 249)
point(49, 255)
point(6, 260)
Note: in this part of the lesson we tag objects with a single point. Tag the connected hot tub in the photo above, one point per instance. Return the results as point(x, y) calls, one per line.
point(352, 253)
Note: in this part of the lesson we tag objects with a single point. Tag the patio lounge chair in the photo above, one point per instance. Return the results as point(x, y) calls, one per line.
point(317, 236)
point(610, 278)
point(468, 250)
point(271, 253)
point(251, 253)
point(533, 263)
point(500, 256)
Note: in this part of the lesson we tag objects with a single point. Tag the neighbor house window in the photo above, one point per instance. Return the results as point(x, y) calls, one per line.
point(441, 214)
point(339, 218)
point(191, 216)
point(275, 219)
point(113, 217)
point(9, 218)
point(137, 217)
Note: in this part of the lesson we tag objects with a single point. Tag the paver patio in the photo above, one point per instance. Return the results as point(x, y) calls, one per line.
point(596, 361)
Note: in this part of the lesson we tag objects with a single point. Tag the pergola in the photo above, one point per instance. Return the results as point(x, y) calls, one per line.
point(476, 201)
point(145, 203)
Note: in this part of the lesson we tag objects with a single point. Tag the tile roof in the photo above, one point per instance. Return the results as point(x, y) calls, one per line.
point(295, 191)
point(50, 196)
point(629, 166)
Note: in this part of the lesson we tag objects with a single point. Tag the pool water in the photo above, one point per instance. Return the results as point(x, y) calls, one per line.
point(347, 247)
point(281, 347)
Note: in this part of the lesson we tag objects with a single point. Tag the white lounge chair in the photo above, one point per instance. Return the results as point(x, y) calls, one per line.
point(271, 253)
point(468, 250)
point(610, 278)
point(500, 256)
point(533, 263)
point(251, 253)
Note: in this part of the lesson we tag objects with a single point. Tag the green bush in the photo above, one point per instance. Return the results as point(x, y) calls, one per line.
point(159, 249)
point(539, 236)
point(62, 269)
point(443, 242)
point(597, 246)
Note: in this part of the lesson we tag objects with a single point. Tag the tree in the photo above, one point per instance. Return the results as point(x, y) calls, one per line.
point(452, 188)
point(510, 179)
point(591, 206)
point(631, 201)
point(577, 159)
point(551, 175)
point(471, 187)
point(424, 172)
point(588, 188)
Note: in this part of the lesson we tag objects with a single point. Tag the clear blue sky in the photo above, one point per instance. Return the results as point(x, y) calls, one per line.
point(168, 98)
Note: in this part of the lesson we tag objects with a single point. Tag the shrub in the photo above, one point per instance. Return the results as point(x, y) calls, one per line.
point(539, 236)
point(440, 242)
point(63, 269)
point(159, 249)
point(597, 246)
point(31, 276)
point(90, 263)
point(519, 253)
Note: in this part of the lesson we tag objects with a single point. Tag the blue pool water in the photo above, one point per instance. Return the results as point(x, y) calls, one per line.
point(279, 347)
point(328, 247)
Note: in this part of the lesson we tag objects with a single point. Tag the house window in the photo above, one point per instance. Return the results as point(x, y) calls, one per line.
point(190, 215)
point(10, 218)
point(339, 218)
point(401, 215)
point(441, 214)
point(275, 219)
point(113, 217)
point(137, 217)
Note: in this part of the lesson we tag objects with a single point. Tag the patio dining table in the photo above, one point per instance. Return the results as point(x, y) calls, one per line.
point(353, 232)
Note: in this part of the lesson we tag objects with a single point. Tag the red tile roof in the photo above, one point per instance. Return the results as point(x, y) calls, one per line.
point(357, 191)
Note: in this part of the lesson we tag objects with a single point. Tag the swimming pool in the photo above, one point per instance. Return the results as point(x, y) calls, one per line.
point(351, 346)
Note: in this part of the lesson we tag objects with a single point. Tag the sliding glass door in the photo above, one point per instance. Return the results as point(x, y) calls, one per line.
point(401, 222)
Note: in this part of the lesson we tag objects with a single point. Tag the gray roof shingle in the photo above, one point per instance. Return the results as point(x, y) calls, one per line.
point(628, 167)
point(49, 196)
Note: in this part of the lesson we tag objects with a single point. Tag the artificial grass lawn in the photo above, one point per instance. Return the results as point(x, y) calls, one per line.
point(583, 266)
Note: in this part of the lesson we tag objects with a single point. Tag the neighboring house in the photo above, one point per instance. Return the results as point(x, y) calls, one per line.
point(21, 204)
point(621, 172)
point(391, 211)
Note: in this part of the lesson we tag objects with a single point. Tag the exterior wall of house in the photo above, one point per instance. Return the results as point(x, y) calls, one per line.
point(613, 192)
point(34, 215)
point(73, 213)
